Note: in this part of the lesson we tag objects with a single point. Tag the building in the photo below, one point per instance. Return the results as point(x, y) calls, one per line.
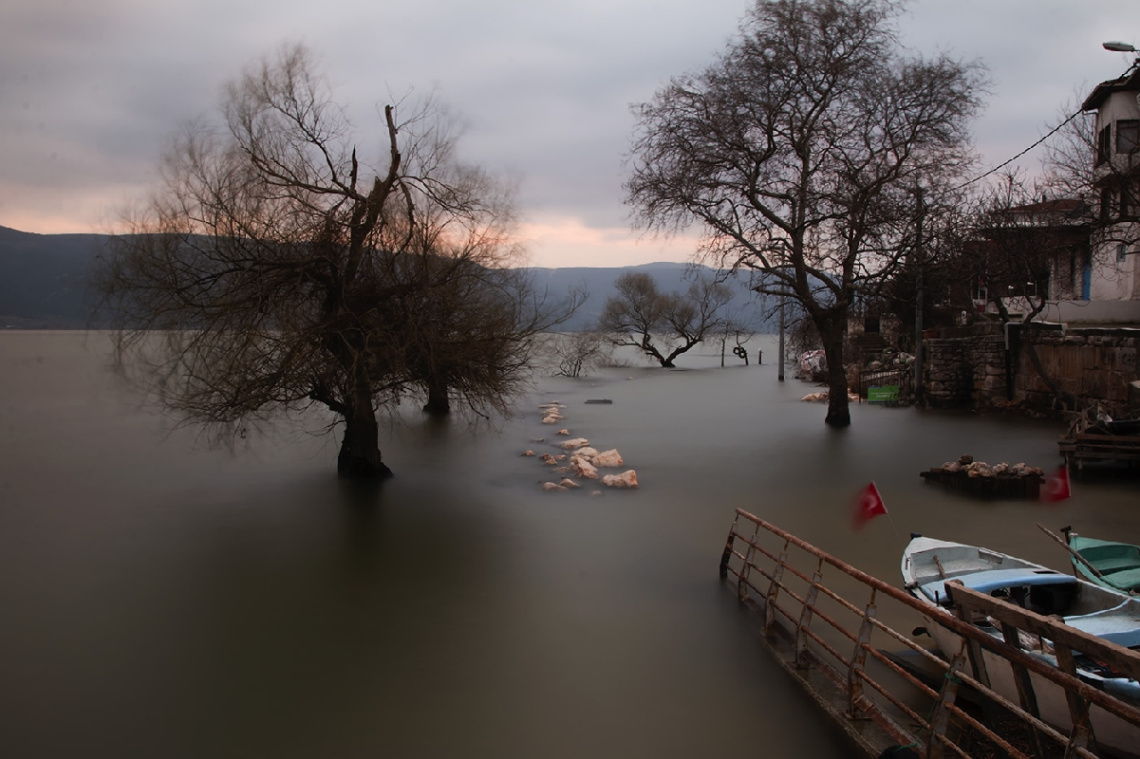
point(1111, 291)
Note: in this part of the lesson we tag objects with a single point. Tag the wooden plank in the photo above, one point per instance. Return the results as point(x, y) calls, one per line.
point(1122, 659)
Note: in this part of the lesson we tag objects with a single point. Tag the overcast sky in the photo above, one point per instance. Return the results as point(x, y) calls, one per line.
point(91, 91)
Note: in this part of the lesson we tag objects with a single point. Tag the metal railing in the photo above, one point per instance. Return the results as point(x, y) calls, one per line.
point(812, 626)
point(901, 378)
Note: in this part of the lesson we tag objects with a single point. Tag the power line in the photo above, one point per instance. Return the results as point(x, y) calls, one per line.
point(1053, 131)
point(1001, 166)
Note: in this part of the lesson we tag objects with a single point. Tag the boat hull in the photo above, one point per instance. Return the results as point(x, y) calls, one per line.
point(928, 564)
point(1117, 563)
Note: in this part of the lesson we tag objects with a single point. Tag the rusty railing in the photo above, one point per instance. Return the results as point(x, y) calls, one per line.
point(938, 704)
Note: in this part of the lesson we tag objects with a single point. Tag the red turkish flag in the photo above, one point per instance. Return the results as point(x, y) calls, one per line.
point(869, 506)
point(1056, 486)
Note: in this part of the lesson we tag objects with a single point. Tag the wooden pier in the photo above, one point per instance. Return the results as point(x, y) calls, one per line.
point(1082, 448)
point(887, 692)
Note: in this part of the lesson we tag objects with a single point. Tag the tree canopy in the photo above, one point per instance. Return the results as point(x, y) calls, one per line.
point(664, 325)
point(275, 267)
point(798, 152)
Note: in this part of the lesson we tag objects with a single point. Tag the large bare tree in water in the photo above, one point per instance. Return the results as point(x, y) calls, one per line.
point(274, 268)
point(798, 152)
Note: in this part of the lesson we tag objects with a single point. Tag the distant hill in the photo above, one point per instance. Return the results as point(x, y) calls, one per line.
point(43, 279)
point(44, 283)
point(670, 277)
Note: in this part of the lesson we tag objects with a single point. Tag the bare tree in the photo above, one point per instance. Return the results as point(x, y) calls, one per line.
point(1095, 163)
point(274, 268)
point(798, 153)
point(577, 353)
point(1017, 253)
point(639, 314)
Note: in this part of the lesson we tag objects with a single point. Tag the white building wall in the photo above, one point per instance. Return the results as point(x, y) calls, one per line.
point(1113, 279)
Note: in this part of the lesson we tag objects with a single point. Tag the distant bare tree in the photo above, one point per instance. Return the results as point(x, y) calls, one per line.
point(272, 269)
point(578, 353)
point(639, 314)
point(798, 152)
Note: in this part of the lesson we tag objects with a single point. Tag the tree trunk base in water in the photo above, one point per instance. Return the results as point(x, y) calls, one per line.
point(350, 467)
point(434, 407)
point(838, 420)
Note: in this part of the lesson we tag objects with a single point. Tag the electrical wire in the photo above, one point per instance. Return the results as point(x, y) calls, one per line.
point(1001, 166)
point(1053, 131)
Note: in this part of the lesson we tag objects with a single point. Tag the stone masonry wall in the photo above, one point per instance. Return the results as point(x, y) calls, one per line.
point(1092, 364)
point(967, 367)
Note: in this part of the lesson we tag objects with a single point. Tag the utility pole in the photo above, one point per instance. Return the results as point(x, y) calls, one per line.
point(780, 375)
point(918, 357)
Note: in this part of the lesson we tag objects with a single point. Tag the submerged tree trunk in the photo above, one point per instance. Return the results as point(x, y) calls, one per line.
point(359, 457)
point(838, 412)
point(438, 400)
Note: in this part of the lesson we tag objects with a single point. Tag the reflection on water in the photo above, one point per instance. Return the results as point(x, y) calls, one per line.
point(164, 600)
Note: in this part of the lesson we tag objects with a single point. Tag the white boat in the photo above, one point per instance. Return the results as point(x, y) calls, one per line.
point(1108, 614)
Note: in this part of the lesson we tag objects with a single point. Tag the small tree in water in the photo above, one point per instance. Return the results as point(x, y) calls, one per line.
point(663, 326)
point(272, 270)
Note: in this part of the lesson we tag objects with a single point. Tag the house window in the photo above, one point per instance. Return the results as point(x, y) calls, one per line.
point(1109, 203)
point(1127, 202)
point(1127, 136)
point(1103, 145)
point(1120, 254)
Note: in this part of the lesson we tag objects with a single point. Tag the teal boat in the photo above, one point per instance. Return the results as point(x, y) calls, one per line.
point(1105, 562)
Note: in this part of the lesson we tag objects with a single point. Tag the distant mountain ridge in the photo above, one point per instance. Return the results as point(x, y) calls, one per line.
point(44, 282)
point(44, 278)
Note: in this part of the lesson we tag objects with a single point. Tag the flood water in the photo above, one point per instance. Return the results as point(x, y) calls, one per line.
point(160, 599)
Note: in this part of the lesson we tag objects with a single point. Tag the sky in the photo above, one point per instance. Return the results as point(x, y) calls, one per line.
point(92, 92)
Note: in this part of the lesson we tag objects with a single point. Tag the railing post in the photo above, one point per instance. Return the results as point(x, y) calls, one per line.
point(947, 695)
point(746, 568)
point(1082, 734)
point(745, 571)
point(728, 543)
point(805, 617)
point(774, 589)
point(859, 659)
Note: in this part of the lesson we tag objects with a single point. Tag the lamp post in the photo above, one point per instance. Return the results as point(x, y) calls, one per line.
point(1124, 47)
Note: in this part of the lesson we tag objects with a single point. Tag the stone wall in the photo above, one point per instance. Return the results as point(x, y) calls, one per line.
point(967, 366)
point(1092, 364)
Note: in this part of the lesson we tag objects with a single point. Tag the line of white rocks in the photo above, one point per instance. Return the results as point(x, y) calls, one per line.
point(579, 459)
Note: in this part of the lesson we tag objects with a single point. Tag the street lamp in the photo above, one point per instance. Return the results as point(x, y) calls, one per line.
point(1119, 47)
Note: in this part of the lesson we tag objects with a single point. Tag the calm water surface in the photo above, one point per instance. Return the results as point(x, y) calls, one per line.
point(165, 600)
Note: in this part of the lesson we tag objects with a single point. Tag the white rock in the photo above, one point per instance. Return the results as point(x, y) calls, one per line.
point(550, 487)
point(586, 452)
point(569, 483)
point(610, 459)
point(627, 479)
point(563, 432)
point(815, 397)
point(528, 453)
point(577, 442)
point(583, 468)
